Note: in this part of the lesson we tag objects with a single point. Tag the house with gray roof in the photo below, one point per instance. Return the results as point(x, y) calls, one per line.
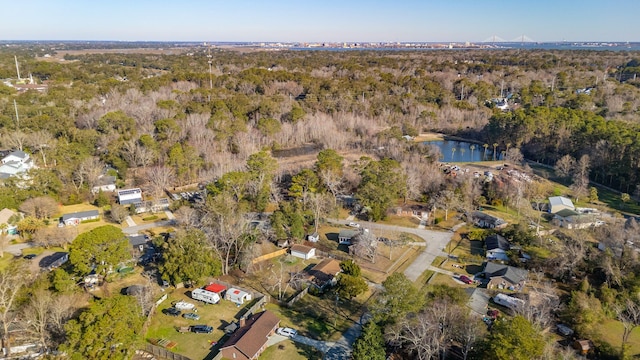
point(505, 277)
point(78, 217)
point(497, 247)
point(15, 164)
point(557, 203)
point(345, 236)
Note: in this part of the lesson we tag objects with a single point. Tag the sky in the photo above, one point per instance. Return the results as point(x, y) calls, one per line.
point(321, 21)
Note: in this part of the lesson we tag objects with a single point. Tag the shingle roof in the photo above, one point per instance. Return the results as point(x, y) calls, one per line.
point(560, 200)
point(250, 338)
point(512, 274)
point(496, 241)
point(301, 248)
point(80, 215)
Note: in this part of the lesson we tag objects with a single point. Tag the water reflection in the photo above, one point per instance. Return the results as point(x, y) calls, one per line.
point(462, 151)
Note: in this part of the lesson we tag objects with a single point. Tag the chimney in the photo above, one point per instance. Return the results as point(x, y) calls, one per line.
point(243, 321)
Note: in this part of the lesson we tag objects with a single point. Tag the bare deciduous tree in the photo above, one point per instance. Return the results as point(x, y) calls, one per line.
point(188, 217)
point(629, 315)
point(365, 245)
point(40, 140)
point(118, 213)
point(40, 207)
point(48, 237)
point(12, 279)
point(159, 178)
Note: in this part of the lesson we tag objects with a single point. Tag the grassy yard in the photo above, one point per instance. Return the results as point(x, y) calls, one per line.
point(318, 317)
point(290, 350)
point(194, 346)
point(611, 332)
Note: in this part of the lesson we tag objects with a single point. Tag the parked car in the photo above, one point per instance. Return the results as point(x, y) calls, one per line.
point(191, 316)
point(288, 332)
point(201, 329)
point(30, 256)
point(353, 224)
point(465, 279)
point(172, 311)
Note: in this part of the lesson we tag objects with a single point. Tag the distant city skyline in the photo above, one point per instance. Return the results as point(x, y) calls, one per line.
point(322, 21)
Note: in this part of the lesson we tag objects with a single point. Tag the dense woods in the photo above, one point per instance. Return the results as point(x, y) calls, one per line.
point(135, 111)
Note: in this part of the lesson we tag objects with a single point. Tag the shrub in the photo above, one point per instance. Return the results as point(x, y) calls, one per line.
point(150, 218)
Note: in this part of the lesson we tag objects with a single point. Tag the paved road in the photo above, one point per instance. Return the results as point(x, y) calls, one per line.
point(435, 242)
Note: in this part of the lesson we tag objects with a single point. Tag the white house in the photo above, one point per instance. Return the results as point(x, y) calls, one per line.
point(78, 217)
point(15, 164)
point(105, 184)
point(315, 237)
point(345, 236)
point(237, 296)
point(129, 196)
point(497, 247)
point(557, 203)
point(303, 252)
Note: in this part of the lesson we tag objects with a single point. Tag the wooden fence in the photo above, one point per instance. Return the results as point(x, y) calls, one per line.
point(164, 353)
point(297, 297)
point(269, 256)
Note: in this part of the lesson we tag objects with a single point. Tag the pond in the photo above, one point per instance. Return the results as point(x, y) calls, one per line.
point(462, 151)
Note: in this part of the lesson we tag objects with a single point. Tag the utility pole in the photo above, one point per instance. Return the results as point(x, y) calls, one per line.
point(17, 68)
point(17, 117)
point(210, 71)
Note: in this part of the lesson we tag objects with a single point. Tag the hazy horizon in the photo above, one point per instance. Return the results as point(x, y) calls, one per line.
point(329, 21)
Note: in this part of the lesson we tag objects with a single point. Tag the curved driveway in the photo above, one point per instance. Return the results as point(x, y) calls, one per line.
point(435, 242)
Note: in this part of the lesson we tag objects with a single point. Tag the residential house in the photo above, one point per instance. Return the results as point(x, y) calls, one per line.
point(417, 210)
point(324, 273)
point(250, 340)
point(54, 260)
point(557, 203)
point(505, 277)
point(153, 206)
point(237, 296)
point(497, 247)
point(129, 196)
point(139, 243)
point(105, 184)
point(17, 163)
point(486, 221)
point(303, 252)
point(5, 215)
point(78, 217)
point(570, 219)
point(345, 236)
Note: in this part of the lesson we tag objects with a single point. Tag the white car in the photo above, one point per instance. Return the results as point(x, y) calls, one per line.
point(288, 332)
point(355, 225)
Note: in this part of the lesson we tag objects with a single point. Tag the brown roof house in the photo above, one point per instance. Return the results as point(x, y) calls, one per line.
point(303, 251)
point(324, 273)
point(250, 340)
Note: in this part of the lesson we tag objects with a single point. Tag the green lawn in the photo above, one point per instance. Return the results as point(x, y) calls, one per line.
point(290, 350)
point(611, 332)
point(318, 317)
point(194, 346)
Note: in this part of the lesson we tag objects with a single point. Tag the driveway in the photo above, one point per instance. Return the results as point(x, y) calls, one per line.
point(435, 242)
point(138, 228)
point(16, 249)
